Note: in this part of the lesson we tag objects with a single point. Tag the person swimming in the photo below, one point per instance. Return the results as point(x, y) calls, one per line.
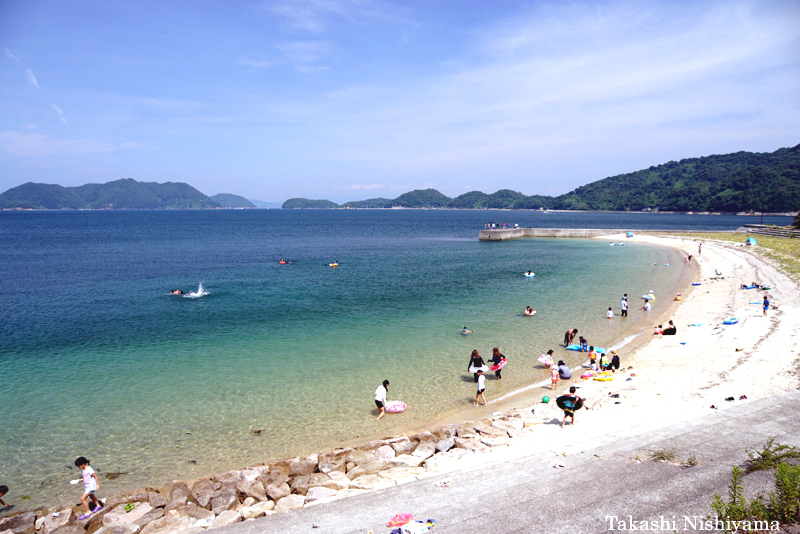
point(464, 331)
point(529, 311)
point(176, 292)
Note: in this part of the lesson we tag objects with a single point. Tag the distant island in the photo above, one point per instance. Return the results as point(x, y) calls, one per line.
point(739, 182)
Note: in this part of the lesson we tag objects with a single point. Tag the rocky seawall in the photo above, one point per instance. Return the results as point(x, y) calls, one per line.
point(193, 505)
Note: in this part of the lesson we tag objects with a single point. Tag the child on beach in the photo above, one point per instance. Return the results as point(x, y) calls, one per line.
point(610, 313)
point(90, 485)
point(592, 358)
point(766, 305)
point(584, 344)
point(554, 378)
point(481, 388)
point(3, 491)
point(569, 411)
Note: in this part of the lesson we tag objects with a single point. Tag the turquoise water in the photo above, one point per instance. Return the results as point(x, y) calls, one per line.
point(100, 360)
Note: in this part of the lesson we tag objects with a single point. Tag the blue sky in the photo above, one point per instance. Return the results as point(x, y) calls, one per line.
point(355, 99)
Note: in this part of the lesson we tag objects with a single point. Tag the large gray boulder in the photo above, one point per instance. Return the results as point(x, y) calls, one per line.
point(118, 528)
point(290, 502)
point(321, 480)
point(318, 493)
point(303, 466)
point(361, 457)
point(171, 523)
point(149, 517)
point(277, 492)
point(370, 482)
point(369, 468)
point(258, 510)
point(408, 459)
point(69, 529)
point(300, 484)
point(228, 517)
point(24, 523)
point(224, 499)
point(444, 445)
point(253, 489)
point(195, 515)
point(203, 491)
point(425, 449)
point(119, 515)
point(57, 520)
point(156, 500)
point(385, 452)
point(404, 446)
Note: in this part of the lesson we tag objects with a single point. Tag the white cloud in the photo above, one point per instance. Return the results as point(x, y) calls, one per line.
point(9, 55)
point(305, 51)
point(37, 145)
point(256, 63)
point(311, 69)
point(31, 78)
point(60, 113)
point(30, 126)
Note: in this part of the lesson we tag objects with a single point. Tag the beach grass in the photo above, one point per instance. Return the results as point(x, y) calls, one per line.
point(784, 251)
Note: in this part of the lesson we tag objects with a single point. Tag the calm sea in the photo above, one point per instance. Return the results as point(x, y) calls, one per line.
point(99, 359)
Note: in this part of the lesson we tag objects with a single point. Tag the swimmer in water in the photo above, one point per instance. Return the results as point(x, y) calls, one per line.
point(529, 311)
point(465, 331)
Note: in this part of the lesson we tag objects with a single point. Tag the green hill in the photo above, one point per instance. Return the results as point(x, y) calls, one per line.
point(369, 203)
point(305, 203)
point(126, 193)
point(420, 198)
point(227, 200)
point(744, 181)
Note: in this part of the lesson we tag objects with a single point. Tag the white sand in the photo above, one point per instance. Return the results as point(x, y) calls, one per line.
point(677, 378)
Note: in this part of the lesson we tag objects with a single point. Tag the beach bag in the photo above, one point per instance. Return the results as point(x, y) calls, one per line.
point(415, 527)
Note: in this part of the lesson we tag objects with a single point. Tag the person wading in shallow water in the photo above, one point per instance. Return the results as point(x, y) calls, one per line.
point(380, 398)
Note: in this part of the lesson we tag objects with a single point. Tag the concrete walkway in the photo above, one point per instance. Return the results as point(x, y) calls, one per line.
point(598, 480)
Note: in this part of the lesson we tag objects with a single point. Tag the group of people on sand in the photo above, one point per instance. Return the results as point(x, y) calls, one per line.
point(670, 330)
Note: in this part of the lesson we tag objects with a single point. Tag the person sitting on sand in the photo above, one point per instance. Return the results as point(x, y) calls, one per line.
point(529, 311)
point(569, 336)
point(614, 361)
point(671, 330)
point(569, 410)
point(658, 330)
point(603, 362)
point(646, 306)
point(564, 371)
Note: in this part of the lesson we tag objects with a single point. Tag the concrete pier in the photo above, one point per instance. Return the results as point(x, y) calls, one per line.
point(503, 234)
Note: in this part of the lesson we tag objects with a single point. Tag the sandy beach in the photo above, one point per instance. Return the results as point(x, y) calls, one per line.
point(664, 380)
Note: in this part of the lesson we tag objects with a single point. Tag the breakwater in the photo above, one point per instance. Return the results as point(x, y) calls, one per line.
point(503, 234)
